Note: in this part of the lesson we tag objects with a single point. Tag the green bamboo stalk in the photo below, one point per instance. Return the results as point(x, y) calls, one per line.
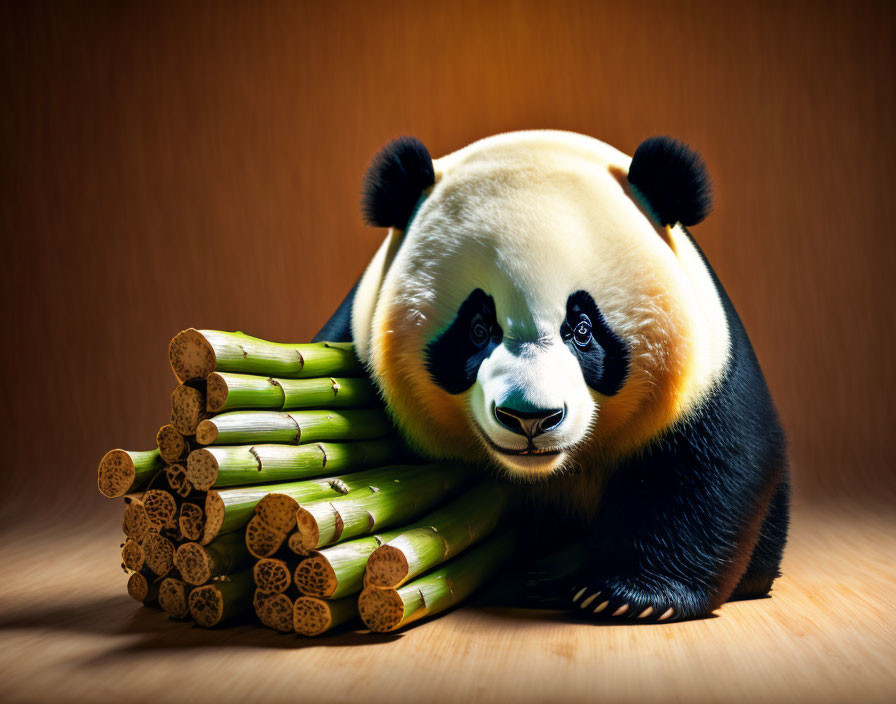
point(228, 392)
point(238, 465)
point(338, 570)
point(227, 510)
point(403, 494)
point(222, 601)
point(293, 427)
point(312, 616)
point(442, 535)
point(198, 564)
point(194, 354)
point(274, 610)
point(388, 609)
point(275, 515)
point(123, 471)
point(173, 595)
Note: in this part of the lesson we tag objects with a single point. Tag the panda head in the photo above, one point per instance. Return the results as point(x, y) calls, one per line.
point(530, 305)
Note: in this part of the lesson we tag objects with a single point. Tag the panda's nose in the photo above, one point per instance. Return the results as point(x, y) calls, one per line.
point(531, 422)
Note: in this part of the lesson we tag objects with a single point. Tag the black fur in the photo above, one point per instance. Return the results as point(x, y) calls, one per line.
point(453, 359)
point(397, 177)
point(672, 179)
point(602, 356)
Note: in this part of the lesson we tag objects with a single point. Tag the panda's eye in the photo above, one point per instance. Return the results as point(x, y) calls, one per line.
point(480, 330)
point(581, 334)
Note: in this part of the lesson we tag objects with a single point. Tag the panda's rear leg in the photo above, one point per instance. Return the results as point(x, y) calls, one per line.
point(765, 561)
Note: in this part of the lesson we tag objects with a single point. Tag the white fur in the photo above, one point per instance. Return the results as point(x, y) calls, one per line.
point(531, 217)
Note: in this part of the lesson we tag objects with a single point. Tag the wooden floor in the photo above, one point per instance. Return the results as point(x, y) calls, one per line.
point(70, 634)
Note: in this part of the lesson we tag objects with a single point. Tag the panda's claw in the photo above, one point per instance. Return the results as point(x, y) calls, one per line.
point(614, 600)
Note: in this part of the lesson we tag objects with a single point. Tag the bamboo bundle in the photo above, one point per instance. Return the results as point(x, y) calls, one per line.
point(194, 354)
point(384, 610)
point(222, 601)
point(259, 464)
point(292, 427)
point(397, 497)
point(272, 443)
point(229, 392)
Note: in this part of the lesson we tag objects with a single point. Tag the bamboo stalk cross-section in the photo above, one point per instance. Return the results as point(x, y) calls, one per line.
point(124, 471)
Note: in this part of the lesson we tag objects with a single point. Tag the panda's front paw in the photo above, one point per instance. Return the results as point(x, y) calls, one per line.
point(617, 600)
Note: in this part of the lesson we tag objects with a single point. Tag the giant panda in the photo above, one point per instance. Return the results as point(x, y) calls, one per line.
point(539, 307)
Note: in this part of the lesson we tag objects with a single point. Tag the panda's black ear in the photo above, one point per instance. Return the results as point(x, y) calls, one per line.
point(397, 176)
point(673, 179)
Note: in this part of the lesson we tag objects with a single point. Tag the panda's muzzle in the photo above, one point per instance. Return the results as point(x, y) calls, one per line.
point(530, 424)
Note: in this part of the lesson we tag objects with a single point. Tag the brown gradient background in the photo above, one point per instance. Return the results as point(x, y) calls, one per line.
point(198, 164)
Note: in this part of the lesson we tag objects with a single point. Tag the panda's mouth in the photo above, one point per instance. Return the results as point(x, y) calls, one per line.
point(529, 451)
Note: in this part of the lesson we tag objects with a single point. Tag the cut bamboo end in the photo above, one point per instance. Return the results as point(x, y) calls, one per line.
point(220, 601)
point(318, 524)
point(215, 511)
point(312, 617)
point(161, 507)
point(272, 575)
point(381, 610)
point(206, 606)
point(294, 542)
point(135, 523)
point(132, 555)
point(274, 611)
point(142, 589)
point(159, 554)
point(261, 539)
point(176, 476)
point(387, 567)
point(206, 433)
point(202, 469)
point(315, 576)
point(173, 595)
point(190, 521)
point(278, 511)
point(121, 471)
point(191, 356)
point(216, 393)
point(187, 408)
point(172, 444)
point(193, 563)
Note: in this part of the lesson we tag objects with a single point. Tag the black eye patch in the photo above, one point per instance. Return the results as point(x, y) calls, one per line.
point(453, 359)
point(602, 355)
